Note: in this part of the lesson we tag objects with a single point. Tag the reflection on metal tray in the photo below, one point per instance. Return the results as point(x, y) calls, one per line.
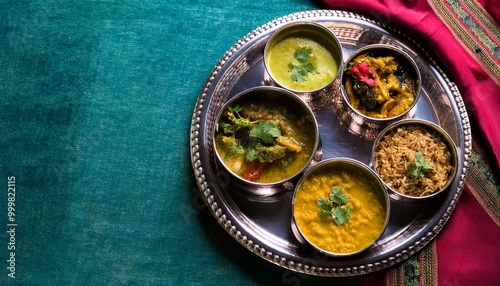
point(262, 223)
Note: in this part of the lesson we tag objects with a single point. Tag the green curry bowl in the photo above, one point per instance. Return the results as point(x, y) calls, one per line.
point(303, 57)
point(265, 136)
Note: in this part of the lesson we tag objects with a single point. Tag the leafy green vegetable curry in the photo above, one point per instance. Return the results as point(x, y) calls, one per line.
point(380, 86)
point(263, 139)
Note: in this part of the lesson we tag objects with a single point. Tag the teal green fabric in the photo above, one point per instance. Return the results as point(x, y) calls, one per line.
point(96, 106)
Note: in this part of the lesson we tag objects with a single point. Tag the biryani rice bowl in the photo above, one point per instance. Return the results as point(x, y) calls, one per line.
point(415, 159)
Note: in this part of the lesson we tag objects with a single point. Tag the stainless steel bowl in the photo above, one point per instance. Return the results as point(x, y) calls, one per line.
point(363, 124)
point(292, 106)
point(400, 126)
point(313, 32)
point(372, 188)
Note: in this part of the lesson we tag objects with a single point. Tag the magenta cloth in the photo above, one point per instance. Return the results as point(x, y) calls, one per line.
point(480, 92)
point(468, 247)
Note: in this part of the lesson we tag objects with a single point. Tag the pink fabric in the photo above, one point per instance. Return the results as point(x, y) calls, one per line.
point(468, 246)
point(492, 7)
point(480, 93)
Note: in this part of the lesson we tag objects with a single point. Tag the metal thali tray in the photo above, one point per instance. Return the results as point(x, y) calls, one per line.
point(262, 223)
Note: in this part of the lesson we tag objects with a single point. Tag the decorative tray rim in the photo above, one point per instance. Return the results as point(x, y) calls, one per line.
point(261, 251)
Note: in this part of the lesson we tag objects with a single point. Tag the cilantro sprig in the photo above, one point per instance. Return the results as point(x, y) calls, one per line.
point(335, 206)
point(300, 71)
point(303, 55)
point(418, 168)
point(266, 131)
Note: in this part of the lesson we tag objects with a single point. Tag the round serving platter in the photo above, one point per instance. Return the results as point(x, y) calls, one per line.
point(262, 223)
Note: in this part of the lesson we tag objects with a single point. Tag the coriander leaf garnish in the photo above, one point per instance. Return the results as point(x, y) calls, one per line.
point(325, 208)
point(236, 109)
point(341, 215)
point(308, 67)
point(418, 168)
point(253, 140)
point(303, 55)
point(338, 197)
point(336, 206)
point(266, 131)
point(299, 72)
point(238, 121)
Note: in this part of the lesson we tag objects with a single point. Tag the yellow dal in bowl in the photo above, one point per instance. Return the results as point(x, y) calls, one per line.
point(281, 57)
point(366, 200)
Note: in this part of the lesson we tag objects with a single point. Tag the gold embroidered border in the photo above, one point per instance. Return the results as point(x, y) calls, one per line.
point(480, 40)
point(485, 18)
point(420, 269)
point(483, 184)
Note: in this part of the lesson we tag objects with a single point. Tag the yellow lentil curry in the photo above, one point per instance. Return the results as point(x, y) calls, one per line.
point(301, 64)
point(265, 139)
point(367, 203)
point(379, 86)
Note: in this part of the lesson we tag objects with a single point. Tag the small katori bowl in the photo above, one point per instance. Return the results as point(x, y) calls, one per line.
point(325, 229)
point(416, 159)
point(264, 137)
point(303, 57)
point(380, 84)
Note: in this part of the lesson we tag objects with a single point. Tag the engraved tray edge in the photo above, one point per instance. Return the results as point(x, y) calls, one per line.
point(261, 251)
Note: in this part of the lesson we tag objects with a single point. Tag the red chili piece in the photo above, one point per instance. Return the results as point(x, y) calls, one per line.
point(363, 72)
point(254, 170)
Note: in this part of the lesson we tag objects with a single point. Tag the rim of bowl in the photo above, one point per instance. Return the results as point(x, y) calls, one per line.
point(403, 54)
point(330, 36)
point(430, 125)
point(352, 162)
point(274, 90)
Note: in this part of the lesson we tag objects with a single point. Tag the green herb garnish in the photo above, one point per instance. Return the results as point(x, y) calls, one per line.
point(266, 131)
point(251, 139)
point(303, 55)
point(300, 71)
point(334, 207)
point(418, 168)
